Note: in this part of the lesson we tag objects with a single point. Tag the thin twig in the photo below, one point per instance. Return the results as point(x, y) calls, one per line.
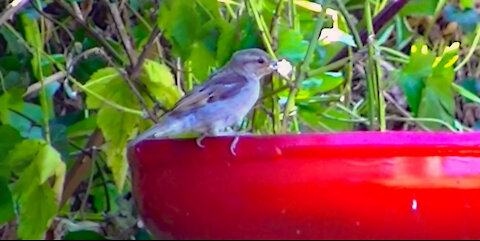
point(405, 113)
point(304, 68)
point(126, 42)
point(143, 56)
point(91, 32)
point(11, 9)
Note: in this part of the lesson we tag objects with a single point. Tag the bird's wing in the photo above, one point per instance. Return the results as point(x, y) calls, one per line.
point(218, 87)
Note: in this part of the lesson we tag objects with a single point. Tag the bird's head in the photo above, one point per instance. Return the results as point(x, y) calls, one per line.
point(254, 62)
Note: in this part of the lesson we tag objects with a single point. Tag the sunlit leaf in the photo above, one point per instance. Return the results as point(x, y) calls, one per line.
point(161, 83)
point(419, 8)
point(292, 46)
point(37, 199)
point(415, 73)
point(117, 127)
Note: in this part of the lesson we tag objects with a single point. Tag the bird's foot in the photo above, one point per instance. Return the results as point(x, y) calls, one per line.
point(199, 141)
point(234, 145)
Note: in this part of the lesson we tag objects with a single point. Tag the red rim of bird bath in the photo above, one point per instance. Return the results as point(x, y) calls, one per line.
point(362, 185)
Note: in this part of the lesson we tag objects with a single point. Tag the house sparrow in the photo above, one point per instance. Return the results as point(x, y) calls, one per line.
point(224, 99)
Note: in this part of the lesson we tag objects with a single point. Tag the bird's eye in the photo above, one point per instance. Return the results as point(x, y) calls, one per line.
point(261, 61)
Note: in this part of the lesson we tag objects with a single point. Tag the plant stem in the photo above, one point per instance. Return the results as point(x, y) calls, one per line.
point(266, 38)
point(471, 51)
point(351, 26)
point(333, 66)
point(43, 94)
point(376, 104)
point(304, 69)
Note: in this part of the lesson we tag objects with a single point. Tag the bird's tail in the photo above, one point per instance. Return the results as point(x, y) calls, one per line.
point(165, 128)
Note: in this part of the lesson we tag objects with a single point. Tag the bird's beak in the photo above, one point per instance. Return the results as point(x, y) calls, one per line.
point(274, 65)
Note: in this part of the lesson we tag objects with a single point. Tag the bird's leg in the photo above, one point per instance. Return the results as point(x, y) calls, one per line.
point(234, 144)
point(199, 140)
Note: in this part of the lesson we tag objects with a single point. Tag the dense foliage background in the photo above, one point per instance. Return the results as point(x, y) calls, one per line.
point(78, 79)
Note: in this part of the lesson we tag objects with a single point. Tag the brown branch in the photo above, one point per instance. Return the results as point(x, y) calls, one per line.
point(11, 10)
point(127, 43)
point(82, 165)
point(143, 56)
point(91, 32)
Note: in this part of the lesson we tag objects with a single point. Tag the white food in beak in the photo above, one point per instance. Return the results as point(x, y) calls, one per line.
point(284, 68)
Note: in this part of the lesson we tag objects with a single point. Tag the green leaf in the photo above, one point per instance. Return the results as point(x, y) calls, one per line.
point(6, 202)
point(59, 139)
point(179, 28)
point(37, 210)
point(117, 127)
point(226, 44)
point(292, 46)
point(13, 45)
point(324, 119)
point(37, 200)
point(161, 83)
point(9, 138)
point(413, 75)
point(438, 103)
point(320, 84)
point(468, 94)
point(438, 97)
point(202, 61)
point(467, 3)
point(419, 8)
point(23, 154)
point(83, 127)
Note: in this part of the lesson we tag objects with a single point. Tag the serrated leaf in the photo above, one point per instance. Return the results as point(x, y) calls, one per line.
point(100, 83)
point(37, 200)
point(117, 127)
point(161, 83)
point(37, 210)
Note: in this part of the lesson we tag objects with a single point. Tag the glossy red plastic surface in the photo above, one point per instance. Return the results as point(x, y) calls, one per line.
point(394, 185)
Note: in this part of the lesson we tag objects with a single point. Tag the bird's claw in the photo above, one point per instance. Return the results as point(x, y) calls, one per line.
point(234, 144)
point(199, 141)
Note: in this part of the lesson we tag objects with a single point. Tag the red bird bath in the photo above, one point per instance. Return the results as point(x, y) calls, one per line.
point(365, 185)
